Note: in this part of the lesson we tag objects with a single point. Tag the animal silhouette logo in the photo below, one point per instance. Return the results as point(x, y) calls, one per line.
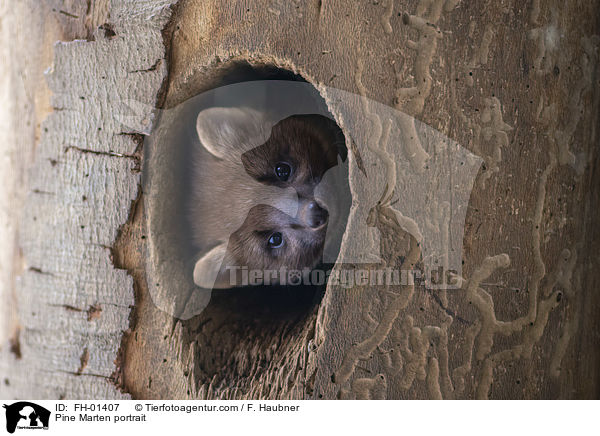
point(26, 415)
point(395, 162)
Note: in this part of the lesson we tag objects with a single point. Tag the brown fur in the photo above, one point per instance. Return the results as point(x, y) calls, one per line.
point(238, 201)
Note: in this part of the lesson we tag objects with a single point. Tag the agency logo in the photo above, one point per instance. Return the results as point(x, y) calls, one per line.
point(397, 169)
point(26, 415)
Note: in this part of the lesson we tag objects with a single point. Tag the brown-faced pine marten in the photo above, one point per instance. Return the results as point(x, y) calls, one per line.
point(260, 199)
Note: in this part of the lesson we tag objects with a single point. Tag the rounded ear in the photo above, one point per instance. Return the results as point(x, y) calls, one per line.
point(229, 132)
point(208, 267)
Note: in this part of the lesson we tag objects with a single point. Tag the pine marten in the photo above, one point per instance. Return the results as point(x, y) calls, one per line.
point(255, 187)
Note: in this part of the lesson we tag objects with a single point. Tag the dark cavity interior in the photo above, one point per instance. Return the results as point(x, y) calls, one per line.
point(245, 331)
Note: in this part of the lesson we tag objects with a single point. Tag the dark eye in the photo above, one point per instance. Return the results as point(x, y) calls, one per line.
point(275, 240)
point(283, 171)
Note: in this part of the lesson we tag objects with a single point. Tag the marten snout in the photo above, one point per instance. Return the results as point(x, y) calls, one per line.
point(314, 216)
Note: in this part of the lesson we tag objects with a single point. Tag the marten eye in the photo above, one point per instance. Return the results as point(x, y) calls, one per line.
point(283, 171)
point(275, 240)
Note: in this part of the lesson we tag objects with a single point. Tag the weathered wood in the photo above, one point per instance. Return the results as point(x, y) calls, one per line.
point(73, 183)
point(514, 83)
point(494, 78)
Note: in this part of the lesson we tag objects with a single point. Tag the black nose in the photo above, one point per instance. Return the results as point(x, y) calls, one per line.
point(316, 216)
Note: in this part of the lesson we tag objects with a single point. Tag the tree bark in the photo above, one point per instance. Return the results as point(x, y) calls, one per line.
point(513, 83)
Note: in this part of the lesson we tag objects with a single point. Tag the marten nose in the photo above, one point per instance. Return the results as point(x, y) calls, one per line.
point(315, 215)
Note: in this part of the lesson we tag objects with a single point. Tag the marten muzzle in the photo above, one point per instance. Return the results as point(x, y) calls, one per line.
point(312, 215)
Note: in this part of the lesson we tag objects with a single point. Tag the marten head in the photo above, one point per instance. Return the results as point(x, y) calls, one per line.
point(264, 187)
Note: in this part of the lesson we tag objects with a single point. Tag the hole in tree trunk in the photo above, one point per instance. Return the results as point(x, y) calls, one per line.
point(245, 332)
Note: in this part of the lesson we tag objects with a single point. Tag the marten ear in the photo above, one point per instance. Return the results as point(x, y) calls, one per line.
point(229, 132)
point(208, 268)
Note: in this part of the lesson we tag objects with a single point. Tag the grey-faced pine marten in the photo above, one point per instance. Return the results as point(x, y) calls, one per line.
point(255, 202)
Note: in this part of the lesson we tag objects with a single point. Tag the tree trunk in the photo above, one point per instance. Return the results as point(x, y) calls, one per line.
point(512, 83)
